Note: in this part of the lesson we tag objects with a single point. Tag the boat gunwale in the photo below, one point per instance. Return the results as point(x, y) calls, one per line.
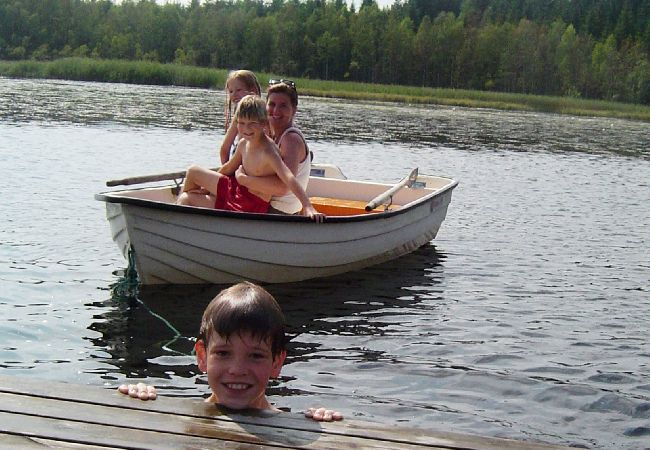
point(152, 204)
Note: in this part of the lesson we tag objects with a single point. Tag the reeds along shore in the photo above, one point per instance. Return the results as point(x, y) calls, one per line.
point(145, 72)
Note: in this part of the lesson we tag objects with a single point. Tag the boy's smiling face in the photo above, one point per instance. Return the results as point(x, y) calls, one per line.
point(249, 129)
point(239, 369)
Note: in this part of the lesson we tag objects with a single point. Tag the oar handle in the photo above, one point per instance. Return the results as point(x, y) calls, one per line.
point(148, 178)
point(384, 196)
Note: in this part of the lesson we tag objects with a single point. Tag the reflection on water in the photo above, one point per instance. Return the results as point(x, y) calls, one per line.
point(159, 323)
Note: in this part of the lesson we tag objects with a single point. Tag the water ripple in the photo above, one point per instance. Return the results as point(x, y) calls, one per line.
point(525, 318)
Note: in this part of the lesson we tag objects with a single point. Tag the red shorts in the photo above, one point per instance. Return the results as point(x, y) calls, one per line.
point(232, 196)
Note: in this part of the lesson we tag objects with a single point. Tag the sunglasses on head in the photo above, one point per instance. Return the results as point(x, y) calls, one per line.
point(289, 83)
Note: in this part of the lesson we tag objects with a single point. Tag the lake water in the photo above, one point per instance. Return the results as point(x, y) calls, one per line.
point(527, 317)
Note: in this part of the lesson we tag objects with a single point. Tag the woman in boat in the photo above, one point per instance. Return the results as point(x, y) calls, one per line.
point(282, 105)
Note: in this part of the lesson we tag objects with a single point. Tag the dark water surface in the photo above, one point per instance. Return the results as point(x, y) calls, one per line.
point(527, 317)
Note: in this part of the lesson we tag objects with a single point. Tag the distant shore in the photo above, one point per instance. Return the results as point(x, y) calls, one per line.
point(151, 73)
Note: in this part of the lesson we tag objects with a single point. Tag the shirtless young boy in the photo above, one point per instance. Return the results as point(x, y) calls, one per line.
point(258, 156)
point(241, 345)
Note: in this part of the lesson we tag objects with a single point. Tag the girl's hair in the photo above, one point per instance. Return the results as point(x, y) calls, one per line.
point(250, 81)
point(251, 107)
point(245, 307)
point(283, 88)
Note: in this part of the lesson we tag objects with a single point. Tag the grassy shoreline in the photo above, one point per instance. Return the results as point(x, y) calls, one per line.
point(143, 72)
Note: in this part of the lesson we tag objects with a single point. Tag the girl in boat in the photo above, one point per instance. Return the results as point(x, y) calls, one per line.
point(238, 84)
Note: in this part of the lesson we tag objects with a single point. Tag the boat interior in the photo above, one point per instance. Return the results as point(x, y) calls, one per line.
point(333, 196)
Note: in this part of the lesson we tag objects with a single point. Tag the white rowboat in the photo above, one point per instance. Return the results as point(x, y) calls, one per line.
point(188, 245)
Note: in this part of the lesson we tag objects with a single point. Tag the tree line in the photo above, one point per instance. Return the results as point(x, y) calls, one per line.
point(581, 48)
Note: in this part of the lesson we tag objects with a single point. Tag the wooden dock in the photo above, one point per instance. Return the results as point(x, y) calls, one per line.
point(42, 414)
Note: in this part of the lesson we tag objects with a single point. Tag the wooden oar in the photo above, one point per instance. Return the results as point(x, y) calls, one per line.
point(148, 178)
point(383, 197)
point(321, 170)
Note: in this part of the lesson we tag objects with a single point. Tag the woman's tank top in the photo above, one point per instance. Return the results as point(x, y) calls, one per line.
point(233, 147)
point(289, 203)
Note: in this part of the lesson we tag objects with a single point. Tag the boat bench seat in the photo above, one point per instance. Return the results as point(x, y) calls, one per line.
point(341, 207)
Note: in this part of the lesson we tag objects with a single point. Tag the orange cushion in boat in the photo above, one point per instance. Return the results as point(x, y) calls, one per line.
point(340, 206)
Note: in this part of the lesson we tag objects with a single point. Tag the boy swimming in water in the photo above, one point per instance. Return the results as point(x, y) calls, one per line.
point(241, 345)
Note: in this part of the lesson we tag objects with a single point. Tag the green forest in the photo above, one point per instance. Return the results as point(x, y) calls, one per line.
point(594, 49)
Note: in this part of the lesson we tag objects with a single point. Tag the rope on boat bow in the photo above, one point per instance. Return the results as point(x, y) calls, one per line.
point(127, 289)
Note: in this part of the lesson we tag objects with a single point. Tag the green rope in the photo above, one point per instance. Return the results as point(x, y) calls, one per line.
point(177, 334)
point(127, 289)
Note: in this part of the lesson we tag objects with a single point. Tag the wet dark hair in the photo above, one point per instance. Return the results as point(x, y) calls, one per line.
point(283, 88)
point(245, 307)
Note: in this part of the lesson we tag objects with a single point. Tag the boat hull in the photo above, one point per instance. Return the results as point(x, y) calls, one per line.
point(183, 245)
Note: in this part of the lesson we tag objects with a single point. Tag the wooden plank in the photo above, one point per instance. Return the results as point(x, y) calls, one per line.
point(187, 422)
point(105, 435)
point(165, 423)
point(28, 443)
point(234, 429)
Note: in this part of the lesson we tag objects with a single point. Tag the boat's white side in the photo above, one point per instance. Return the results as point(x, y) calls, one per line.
point(184, 245)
